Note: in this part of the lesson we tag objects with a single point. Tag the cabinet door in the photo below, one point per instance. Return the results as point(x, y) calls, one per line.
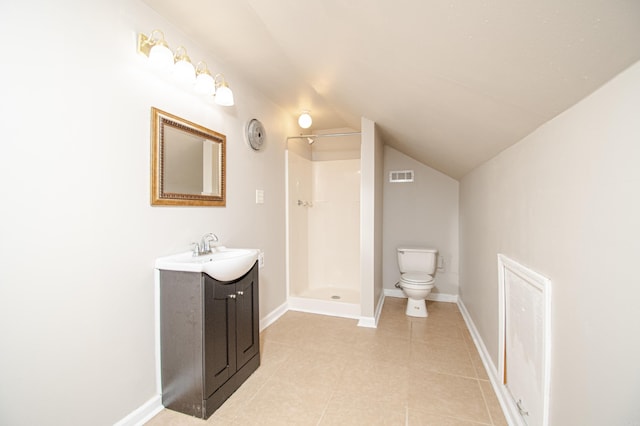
point(219, 335)
point(247, 321)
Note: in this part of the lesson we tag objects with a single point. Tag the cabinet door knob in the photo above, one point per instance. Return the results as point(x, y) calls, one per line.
point(240, 293)
point(232, 296)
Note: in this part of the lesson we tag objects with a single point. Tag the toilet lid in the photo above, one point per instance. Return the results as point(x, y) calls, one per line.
point(416, 277)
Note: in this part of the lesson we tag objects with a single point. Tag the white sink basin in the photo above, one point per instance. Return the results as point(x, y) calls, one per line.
point(224, 264)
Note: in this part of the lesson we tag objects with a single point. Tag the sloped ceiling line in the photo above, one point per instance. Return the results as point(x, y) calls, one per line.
point(451, 83)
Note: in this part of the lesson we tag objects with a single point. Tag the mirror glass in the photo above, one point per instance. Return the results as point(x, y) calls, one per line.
point(188, 162)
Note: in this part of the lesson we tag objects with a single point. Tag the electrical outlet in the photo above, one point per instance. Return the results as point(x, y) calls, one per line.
point(259, 196)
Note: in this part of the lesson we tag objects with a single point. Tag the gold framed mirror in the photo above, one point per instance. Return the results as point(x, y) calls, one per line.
point(188, 162)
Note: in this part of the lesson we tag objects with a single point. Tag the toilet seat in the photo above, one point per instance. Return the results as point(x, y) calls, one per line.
point(416, 286)
point(416, 278)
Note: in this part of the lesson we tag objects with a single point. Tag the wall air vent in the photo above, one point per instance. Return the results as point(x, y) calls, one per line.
point(401, 176)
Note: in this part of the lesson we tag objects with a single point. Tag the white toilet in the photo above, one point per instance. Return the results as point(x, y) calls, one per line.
point(417, 267)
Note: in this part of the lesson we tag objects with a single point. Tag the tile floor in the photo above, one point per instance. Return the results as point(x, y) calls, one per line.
point(321, 370)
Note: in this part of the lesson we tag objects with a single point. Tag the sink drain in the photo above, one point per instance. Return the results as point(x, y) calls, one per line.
point(335, 297)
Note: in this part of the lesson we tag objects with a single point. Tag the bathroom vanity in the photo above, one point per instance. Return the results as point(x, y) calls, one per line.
point(209, 338)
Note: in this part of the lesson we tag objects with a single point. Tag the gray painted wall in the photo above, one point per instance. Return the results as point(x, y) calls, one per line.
point(423, 213)
point(565, 202)
point(78, 236)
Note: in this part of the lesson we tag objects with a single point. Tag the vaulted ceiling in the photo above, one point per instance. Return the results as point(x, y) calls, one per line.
point(450, 83)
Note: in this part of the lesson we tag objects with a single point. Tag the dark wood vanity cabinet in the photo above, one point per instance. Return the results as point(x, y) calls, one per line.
point(210, 343)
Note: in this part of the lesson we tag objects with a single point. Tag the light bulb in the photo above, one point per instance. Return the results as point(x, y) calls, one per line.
point(183, 71)
point(224, 95)
point(160, 56)
point(204, 84)
point(305, 120)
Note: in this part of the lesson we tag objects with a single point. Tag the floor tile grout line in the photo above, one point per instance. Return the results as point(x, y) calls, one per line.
point(486, 403)
point(406, 414)
point(476, 379)
point(475, 367)
point(284, 354)
point(326, 406)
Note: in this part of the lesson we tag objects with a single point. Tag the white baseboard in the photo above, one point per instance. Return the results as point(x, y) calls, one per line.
point(394, 292)
point(152, 407)
point(436, 297)
point(143, 414)
point(272, 316)
point(372, 322)
point(368, 322)
point(442, 297)
point(500, 390)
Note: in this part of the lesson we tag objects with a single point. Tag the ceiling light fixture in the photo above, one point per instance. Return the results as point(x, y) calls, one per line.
point(160, 56)
point(305, 120)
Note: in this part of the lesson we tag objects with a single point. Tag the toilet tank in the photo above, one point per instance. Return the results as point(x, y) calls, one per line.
point(416, 259)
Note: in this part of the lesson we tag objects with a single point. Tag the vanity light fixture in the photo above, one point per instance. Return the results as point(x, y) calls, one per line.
point(305, 120)
point(205, 85)
point(223, 95)
point(155, 47)
point(182, 67)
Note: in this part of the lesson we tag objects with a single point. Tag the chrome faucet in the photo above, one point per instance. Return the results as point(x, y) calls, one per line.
point(205, 247)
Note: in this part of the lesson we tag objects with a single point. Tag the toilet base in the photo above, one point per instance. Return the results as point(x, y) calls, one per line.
point(417, 308)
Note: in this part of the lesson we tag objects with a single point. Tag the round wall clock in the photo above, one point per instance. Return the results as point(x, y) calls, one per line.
point(256, 135)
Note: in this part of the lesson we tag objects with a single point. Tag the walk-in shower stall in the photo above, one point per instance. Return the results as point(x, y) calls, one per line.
point(323, 223)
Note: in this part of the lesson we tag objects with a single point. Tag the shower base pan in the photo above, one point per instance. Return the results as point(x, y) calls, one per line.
point(337, 302)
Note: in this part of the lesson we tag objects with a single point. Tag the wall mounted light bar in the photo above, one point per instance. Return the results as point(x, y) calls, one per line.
point(160, 56)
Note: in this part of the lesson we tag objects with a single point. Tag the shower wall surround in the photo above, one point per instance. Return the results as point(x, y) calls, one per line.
point(334, 225)
point(324, 235)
